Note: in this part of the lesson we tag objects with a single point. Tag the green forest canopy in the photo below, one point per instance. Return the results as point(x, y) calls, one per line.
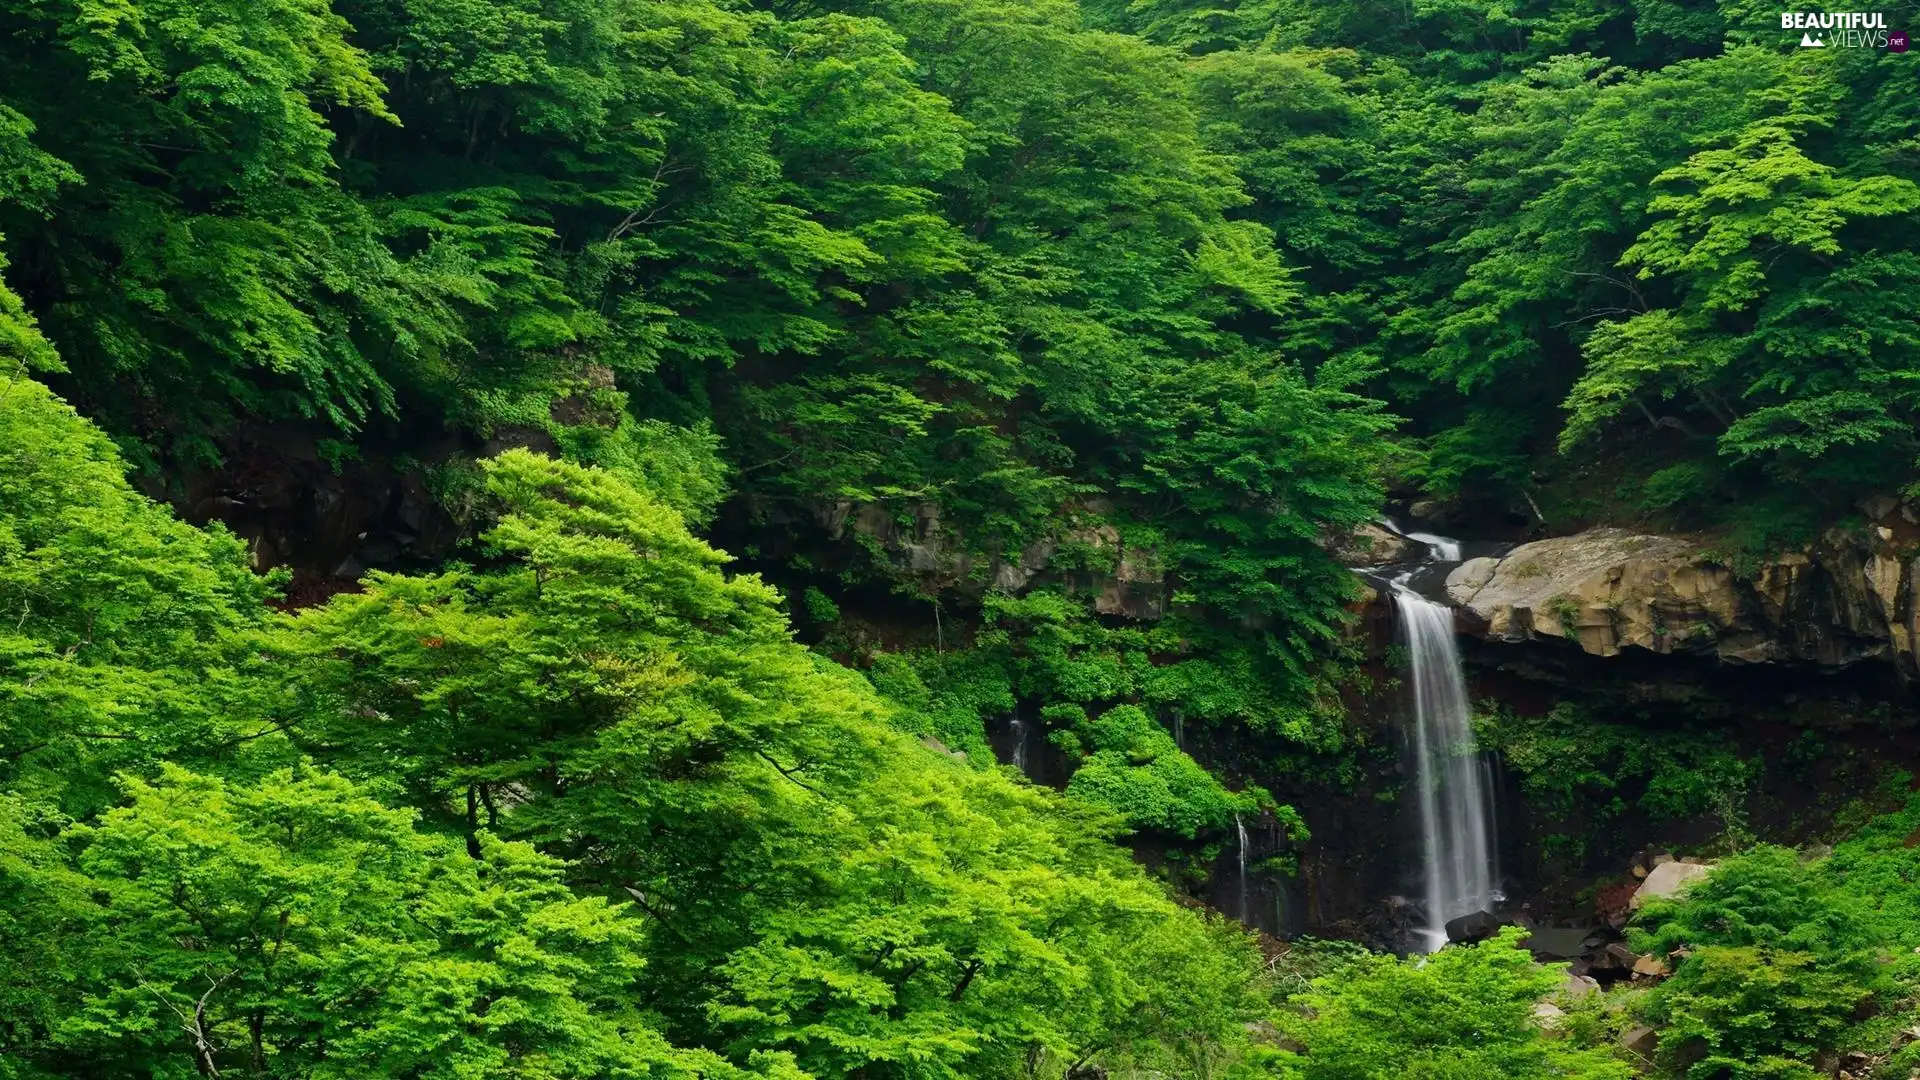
point(1205, 278)
point(586, 813)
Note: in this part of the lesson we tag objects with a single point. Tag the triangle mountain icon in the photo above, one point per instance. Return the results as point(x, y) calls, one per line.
point(1808, 41)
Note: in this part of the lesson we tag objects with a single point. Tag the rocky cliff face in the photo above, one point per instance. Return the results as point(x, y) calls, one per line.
point(1087, 555)
point(1846, 599)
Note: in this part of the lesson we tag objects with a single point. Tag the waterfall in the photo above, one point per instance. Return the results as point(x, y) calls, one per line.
point(1019, 728)
point(1444, 550)
point(1240, 827)
point(1439, 548)
point(1457, 848)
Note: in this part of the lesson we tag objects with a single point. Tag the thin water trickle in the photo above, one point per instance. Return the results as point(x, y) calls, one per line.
point(1019, 728)
point(1457, 846)
point(1240, 827)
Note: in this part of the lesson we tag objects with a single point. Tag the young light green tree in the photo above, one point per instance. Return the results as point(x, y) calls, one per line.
point(295, 927)
point(817, 883)
point(1463, 1013)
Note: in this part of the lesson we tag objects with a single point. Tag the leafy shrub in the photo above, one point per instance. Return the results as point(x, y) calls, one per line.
point(820, 607)
point(1132, 767)
point(1776, 956)
point(1464, 1013)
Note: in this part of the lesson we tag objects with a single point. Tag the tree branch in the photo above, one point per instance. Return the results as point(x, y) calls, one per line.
point(788, 773)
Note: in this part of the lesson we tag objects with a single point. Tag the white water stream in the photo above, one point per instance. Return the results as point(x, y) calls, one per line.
point(1458, 854)
point(1456, 828)
point(1460, 861)
point(1240, 827)
point(1440, 548)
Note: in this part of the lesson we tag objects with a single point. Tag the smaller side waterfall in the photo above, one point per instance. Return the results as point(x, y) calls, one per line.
point(1240, 827)
point(1019, 729)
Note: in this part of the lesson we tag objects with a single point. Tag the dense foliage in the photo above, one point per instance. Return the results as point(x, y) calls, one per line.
point(1036, 348)
point(1160, 272)
point(1656, 235)
point(1584, 777)
point(583, 811)
point(1783, 960)
point(1465, 1012)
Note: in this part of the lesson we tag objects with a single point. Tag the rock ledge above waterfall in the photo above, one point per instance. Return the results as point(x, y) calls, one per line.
point(1847, 598)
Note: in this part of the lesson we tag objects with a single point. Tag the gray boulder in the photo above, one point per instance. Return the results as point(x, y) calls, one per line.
point(1668, 880)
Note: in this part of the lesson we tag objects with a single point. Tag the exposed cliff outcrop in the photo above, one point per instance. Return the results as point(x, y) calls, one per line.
point(1371, 545)
point(1849, 597)
point(1087, 555)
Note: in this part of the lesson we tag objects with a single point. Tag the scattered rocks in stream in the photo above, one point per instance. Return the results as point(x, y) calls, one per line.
point(1594, 946)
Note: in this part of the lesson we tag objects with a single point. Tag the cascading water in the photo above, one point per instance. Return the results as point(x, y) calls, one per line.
point(1457, 842)
point(1240, 827)
point(1458, 854)
point(1443, 548)
point(1019, 729)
